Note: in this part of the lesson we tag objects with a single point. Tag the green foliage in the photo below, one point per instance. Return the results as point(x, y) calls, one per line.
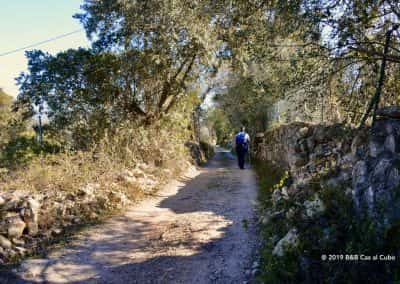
point(147, 54)
point(18, 145)
point(273, 269)
point(21, 150)
point(76, 91)
point(143, 60)
point(269, 178)
point(319, 58)
point(336, 232)
point(12, 126)
point(130, 98)
point(220, 123)
point(244, 104)
point(160, 43)
point(207, 149)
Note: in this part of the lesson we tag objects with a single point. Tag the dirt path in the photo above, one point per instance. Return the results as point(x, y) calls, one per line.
point(197, 230)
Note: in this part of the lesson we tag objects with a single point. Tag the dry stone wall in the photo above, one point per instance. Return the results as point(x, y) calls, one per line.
point(366, 162)
point(30, 219)
point(339, 195)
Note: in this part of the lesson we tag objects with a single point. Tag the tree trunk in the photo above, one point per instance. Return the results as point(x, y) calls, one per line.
point(374, 103)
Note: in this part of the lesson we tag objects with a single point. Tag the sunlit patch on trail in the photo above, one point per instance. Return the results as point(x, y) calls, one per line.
point(184, 226)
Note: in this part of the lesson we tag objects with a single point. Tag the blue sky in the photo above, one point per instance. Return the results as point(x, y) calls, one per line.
point(24, 22)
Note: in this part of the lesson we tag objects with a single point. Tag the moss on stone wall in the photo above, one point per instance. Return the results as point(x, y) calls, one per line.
point(314, 228)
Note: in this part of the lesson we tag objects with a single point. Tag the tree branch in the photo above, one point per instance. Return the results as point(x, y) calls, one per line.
point(375, 100)
point(167, 84)
point(182, 84)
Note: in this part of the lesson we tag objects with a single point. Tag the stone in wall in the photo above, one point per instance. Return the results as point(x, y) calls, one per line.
point(29, 218)
point(367, 161)
point(289, 241)
point(376, 177)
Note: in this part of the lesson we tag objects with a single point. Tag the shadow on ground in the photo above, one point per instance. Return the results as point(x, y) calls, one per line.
point(194, 236)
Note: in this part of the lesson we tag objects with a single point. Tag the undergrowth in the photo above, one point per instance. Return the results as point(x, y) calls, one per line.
point(59, 171)
point(338, 233)
point(69, 170)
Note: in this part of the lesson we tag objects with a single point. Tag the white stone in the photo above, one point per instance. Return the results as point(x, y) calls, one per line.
point(93, 215)
point(21, 251)
point(390, 144)
point(290, 240)
point(130, 179)
point(369, 197)
point(290, 213)
point(359, 173)
point(57, 231)
point(303, 131)
point(90, 188)
point(138, 173)
point(143, 167)
point(5, 243)
point(33, 228)
point(255, 265)
point(30, 215)
point(126, 172)
point(285, 193)
point(276, 196)
point(167, 172)
point(15, 227)
point(18, 242)
point(314, 207)
point(76, 220)
point(375, 149)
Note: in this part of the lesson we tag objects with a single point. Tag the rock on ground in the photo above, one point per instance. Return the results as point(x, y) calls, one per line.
point(189, 232)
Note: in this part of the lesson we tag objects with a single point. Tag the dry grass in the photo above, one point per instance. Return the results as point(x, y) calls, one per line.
point(124, 149)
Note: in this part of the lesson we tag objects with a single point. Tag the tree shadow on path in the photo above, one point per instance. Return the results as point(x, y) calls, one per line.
point(193, 236)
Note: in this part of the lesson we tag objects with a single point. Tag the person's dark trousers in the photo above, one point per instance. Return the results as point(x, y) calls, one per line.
point(241, 153)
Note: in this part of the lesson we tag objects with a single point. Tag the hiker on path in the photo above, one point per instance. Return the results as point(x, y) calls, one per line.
point(242, 141)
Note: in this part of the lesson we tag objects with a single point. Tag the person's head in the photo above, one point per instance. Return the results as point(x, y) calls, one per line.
point(242, 128)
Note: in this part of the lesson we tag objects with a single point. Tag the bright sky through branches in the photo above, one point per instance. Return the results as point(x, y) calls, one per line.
point(26, 22)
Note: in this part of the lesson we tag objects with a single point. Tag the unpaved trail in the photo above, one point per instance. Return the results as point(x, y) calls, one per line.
point(199, 229)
